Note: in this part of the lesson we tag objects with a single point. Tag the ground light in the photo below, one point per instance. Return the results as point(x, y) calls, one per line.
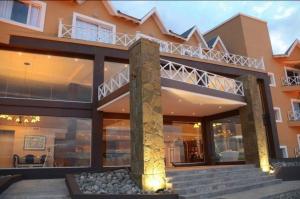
point(154, 182)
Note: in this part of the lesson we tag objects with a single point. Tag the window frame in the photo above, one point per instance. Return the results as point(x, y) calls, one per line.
point(284, 147)
point(298, 141)
point(280, 116)
point(292, 103)
point(37, 3)
point(286, 68)
point(92, 20)
point(272, 78)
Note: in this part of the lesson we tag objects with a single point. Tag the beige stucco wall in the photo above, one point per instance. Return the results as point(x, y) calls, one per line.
point(250, 36)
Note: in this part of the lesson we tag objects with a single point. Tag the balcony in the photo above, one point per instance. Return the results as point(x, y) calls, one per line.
point(291, 84)
point(198, 52)
point(294, 118)
point(177, 72)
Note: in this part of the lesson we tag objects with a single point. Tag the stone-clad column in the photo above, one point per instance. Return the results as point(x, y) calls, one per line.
point(147, 142)
point(253, 129)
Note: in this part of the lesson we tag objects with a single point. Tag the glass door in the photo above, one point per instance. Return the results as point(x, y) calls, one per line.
point(183, 144)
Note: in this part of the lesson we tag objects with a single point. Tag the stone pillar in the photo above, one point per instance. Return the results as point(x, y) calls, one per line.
point(147, 141)
point(253, 129)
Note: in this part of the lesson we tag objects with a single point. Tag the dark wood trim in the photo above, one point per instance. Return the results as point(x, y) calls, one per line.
point(201, 90)
point(55, 112)
point(208, 141)
point(97, 119)
point(117, 93)
point(124, 116)
point(269, 119)
point(44, 103)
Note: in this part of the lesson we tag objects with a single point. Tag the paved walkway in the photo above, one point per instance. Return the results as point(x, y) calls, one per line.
point(265, 192)
point(37, 189)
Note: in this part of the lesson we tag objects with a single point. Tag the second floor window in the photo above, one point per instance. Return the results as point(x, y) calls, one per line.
point(91, 29)
point(28, 13)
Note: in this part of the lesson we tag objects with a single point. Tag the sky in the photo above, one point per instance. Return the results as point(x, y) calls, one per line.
point(283, 17)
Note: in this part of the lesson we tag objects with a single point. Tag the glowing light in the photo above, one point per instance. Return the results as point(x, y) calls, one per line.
point(9, 118)
point(126, 65)
point(105, 69)
point(26, 121)
point(197, 125)
point(49, 56)
point(76, 59)
point(18, 120)
point(19, 53)
point(154, 182)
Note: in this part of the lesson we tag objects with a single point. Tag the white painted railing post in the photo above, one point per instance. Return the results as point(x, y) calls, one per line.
point(60, 28)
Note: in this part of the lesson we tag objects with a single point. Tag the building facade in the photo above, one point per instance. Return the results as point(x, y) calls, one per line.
point(64, 92)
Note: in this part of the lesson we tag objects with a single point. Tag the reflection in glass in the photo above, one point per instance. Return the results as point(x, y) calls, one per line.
point(228, 139)
point(40, 141)
point(183, 143)
point(37, 76)
point(116, 139)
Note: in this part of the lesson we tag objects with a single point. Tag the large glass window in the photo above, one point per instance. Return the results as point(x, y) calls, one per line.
point(183, 143)
point(28, 13)
point(41, 142)
point(228, 139)
point(37, 76)
point(116, 141)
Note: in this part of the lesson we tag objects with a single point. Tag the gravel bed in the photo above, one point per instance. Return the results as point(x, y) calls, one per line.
point(110, 182)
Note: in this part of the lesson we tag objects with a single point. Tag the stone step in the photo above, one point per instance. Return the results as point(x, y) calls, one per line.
point(220, 185)
point(229, 176)
point(173, 173)
point(228, 190)
point(209, 175)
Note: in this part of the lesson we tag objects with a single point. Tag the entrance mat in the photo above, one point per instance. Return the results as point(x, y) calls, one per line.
point(75, 193)
point(6, 181)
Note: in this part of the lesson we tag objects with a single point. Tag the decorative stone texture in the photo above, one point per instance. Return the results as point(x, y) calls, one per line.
point(147, 142)
point(253, 130)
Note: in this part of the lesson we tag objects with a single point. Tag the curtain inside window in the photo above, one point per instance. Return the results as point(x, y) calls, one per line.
point(34, 17)
point(86, 30)
point(5, 9)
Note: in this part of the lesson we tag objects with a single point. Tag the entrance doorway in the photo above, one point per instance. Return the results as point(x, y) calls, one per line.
point(183, 144)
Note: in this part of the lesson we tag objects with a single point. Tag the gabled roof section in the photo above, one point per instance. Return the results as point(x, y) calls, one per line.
point(189, 33)
point(214, 41)
point(153, 13)
point(289, 51)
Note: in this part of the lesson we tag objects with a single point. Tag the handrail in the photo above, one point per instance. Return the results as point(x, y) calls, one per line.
point(187, 74)
point(122, 39)
point(291, 81)
point(177, 72)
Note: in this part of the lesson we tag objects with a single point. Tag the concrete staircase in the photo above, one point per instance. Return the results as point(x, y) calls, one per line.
point(211, 182)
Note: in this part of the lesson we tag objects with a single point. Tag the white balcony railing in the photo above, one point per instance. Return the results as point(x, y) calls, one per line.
point(122, 39)
point(294, 115)
point(177, 72)
point(116, 81)
point(291, 81)
point(186, 74)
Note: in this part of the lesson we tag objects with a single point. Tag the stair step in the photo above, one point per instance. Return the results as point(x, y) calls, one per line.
point(210, 180)
point(209, 175)
point(233, 189)
point(219, 185)
point(209, 170)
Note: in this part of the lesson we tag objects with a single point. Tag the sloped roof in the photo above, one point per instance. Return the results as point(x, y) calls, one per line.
point(153, 12)
point(289, 51)
point(214, 41)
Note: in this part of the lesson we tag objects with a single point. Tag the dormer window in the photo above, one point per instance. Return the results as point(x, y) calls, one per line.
point(29, 14)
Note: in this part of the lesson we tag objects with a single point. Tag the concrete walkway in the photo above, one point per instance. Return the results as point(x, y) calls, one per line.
point(37, 189)
point(266, 192)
